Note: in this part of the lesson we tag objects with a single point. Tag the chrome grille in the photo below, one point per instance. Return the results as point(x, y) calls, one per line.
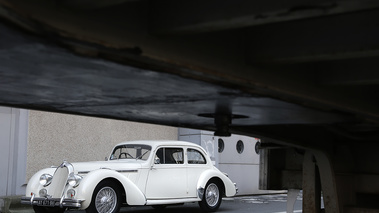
point(59, 180)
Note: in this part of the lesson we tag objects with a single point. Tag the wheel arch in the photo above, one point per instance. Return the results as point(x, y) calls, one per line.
point(91, 180)
point(119, 185)
point(228, 188)
point(219, 183)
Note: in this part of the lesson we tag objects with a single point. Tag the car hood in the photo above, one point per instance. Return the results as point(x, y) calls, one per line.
point(85, 167)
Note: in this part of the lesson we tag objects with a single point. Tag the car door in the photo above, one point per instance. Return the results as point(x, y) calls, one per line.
point(196, 165)
point(167, 178)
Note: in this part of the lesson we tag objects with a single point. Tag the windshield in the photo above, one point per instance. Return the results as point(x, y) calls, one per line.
point(131, 151)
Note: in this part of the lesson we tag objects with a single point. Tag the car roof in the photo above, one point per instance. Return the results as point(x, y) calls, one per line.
point(156, 143)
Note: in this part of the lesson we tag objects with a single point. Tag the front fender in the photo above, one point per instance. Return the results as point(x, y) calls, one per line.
point(230, 189)
point(85, 190)
point(33, 185)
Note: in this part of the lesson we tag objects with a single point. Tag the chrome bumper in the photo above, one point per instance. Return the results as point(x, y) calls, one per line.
point(52, 202)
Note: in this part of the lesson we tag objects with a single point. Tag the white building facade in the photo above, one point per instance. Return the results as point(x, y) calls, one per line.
point(233, 155)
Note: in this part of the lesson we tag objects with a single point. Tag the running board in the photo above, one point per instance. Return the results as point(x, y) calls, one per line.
point(171, 201)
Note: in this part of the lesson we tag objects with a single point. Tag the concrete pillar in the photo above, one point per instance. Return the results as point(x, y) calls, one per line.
point(13, 141)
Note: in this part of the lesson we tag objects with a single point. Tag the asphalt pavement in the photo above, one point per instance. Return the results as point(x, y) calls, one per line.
point(276, 203)
point(261, 203)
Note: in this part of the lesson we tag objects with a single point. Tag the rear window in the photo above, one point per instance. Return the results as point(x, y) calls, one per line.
point(195, 157)
point(169, 156)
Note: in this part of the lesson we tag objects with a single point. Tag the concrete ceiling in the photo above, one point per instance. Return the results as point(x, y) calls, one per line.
point(292, 71)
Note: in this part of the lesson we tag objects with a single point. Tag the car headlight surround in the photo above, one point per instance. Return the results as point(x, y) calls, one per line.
point(74, 180)
point(43, 192)
point(45, 179)
point(71, 193)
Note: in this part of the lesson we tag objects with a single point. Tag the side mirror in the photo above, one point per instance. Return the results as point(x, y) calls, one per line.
point(106, 158)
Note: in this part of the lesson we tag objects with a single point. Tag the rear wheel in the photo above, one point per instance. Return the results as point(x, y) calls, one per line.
point(106, 198)
point(212, 197)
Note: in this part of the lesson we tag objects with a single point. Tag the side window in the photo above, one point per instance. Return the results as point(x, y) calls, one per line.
point(169, 156)
point(195, 157)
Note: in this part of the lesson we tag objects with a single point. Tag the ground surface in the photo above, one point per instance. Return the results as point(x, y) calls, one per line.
point(262, 204)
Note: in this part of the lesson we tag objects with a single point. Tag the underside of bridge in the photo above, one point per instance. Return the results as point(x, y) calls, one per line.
point(301, 75)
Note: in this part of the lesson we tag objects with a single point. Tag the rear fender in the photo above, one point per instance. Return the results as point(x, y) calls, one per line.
point(230, 189)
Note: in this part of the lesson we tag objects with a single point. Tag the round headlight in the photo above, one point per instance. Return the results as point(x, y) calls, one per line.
point(45, 179)
point(74, 180)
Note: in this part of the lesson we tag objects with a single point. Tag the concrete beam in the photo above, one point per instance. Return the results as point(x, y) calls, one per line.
point(345, 36)
point(180, 17)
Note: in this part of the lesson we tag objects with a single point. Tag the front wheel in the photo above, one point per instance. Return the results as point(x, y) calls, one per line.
point(212, 197)
point(106, 198)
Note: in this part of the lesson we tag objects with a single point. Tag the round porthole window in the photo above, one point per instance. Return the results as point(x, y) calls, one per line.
point(240, 146)
point(221, 145)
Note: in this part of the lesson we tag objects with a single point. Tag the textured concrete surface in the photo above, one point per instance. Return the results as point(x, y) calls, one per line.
point(55, 137)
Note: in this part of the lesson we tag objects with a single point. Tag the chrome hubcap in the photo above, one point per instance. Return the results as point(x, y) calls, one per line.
point(212, 194)
point(106, 200)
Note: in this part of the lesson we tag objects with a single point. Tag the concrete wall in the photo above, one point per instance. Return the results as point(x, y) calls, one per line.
point(55, 137)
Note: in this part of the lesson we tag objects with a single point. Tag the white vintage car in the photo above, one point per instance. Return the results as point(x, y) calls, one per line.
point(137, 173)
